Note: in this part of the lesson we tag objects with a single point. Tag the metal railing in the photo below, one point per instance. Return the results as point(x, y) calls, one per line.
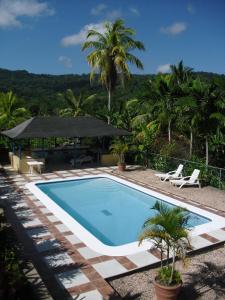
point(209, 175)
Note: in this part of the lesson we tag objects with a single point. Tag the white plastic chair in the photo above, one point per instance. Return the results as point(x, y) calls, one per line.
point(188, 180)
point(172, 174)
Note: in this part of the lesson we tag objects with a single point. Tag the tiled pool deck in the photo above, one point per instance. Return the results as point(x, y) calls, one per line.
point(67, 266)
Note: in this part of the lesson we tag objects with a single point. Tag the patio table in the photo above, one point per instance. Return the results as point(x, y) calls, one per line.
point(33, 164)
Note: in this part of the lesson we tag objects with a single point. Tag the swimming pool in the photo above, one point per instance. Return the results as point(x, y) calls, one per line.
point(107, 213)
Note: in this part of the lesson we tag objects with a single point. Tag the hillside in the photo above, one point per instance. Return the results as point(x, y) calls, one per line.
point(39, 90)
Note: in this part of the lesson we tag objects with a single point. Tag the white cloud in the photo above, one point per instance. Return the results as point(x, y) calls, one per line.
point(80, 37)
point(95, 11)
point(191, 8)
point(12, 10)
point(174, 29)
point(163, 68)
point(134, 11)
point(66, 61)
point(114, 14)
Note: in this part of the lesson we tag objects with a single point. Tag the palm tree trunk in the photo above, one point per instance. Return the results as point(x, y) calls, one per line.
point(169, 130)
point(206, 151)
point(191, 142)
point(173, 267)
point(109, 105)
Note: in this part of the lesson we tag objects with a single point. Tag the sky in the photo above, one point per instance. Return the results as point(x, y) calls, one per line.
point(45, 36)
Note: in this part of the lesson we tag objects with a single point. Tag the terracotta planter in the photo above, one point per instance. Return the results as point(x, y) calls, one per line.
point(121, 167)
point(167, 292)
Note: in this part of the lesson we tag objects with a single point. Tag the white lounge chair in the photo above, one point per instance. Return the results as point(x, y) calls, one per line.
point(172, 174)
point(188, 180)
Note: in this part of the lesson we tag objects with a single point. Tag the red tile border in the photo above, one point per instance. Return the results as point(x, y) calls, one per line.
point(209, 238)
point(96, 280)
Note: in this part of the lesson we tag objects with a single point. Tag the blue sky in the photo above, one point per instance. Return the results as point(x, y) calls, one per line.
point(45, 36)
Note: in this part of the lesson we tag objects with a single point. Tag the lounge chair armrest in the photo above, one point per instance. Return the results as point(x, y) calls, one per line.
point(186, 178)
point(171, 172)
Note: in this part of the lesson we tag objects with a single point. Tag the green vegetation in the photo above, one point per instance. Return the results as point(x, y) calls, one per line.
point(119, 148)
point(180, 114)
point(110, 55)
point(168, 231)
point(10, 112)
point(78, 105)
point(13, 282)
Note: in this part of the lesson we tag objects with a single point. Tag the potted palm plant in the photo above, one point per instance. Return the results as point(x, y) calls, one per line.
point(168, 231)
point(119, 148)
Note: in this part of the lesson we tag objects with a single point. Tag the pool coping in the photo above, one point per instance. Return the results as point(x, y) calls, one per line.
point(97, 282)
point(94, 243)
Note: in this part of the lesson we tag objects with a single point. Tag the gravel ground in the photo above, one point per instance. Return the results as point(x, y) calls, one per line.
point(204, 279)
point(207, 195)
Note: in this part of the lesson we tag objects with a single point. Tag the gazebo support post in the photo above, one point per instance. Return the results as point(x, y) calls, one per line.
point(74, 152)
point(13, 147)
point(20, 151)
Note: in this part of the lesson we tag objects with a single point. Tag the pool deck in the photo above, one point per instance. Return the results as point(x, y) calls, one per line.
point(70, 269)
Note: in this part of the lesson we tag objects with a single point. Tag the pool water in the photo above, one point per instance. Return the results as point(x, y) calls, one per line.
point(113, 212)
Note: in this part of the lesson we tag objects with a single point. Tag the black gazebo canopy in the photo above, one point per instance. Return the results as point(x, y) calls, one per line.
point(46, 127)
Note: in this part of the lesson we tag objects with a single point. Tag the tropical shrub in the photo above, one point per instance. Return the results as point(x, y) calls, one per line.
point(168, 232)
point(119, 148)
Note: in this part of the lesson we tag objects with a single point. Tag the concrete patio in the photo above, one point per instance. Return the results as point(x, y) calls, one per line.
point(67, 266)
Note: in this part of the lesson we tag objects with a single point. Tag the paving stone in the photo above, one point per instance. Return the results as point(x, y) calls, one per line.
point(143, 258)
point(62, 228)
point(73, 239)
point(32, 197)
point(58, 260)
point(218, 234)
point(82, 174)
point(109, 268)
point(32, 223)
point(47, 245)
point(53, 219)
point(72, 278)
point(52, 176)
point(88, 253)
point(45, 210)
point(199, 242)
point(26, 213)
point(38, 203)
point(38, 232)
point(91, 295)
point(20, 205)
point(27, 192)
point(22, 180)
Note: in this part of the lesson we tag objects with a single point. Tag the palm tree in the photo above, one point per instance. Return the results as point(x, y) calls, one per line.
point(10, 113)
point(119, 148)
point(180, 73)
point(165, 94)
point(77, 104)
point(168, 231)
point(208, 106)
point(111, 56)
point(188, 109)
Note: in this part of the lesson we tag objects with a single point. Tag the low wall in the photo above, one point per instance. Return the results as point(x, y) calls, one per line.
point(20, 164)
point(108, 160)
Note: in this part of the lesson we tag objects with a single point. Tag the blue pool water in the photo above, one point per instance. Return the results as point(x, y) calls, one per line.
point(113, 212)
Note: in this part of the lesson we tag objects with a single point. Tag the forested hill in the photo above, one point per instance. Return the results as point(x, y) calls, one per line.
point(41, 89)
point(30, 85)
